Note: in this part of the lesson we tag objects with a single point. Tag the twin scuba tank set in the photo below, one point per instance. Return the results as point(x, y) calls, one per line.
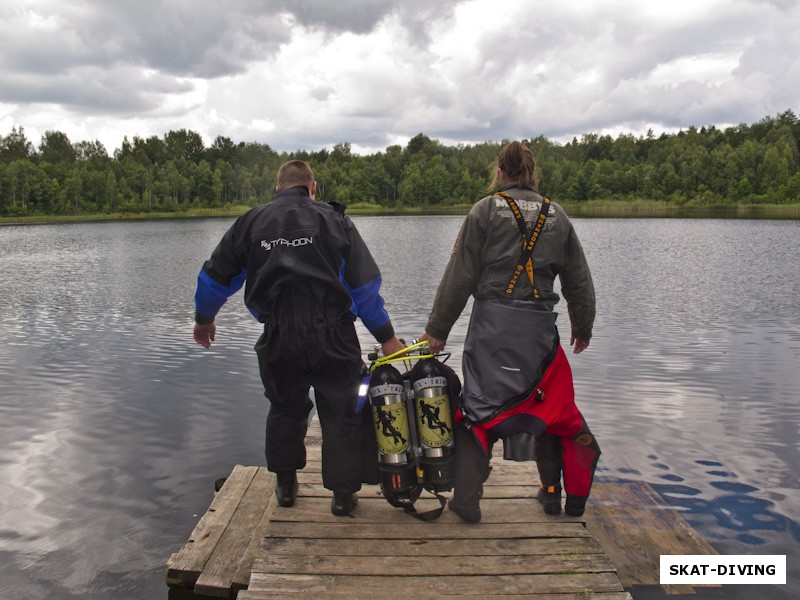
point(413, 419)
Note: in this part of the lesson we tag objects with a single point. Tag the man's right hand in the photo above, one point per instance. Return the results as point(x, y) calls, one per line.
point(393, 345)
point(204, 334)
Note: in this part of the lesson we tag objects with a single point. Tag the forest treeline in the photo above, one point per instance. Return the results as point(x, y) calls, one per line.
point(746, 164)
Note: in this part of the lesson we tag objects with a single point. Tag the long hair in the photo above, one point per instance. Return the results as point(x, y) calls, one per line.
point(515, 164)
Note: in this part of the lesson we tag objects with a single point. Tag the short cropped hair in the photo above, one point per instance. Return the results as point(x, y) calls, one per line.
point(295, 172)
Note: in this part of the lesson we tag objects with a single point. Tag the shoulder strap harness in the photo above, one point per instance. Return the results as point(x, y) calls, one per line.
point(524, 261)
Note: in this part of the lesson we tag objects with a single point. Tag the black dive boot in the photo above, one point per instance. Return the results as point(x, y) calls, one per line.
point(472, 470)
point(469, 514)
point(549, 464)
point(286, 487)
point(343, 503)
point(550, 497)
point(575, 505)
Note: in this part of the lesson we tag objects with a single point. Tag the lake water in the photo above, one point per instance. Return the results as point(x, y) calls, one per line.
point(114, 423)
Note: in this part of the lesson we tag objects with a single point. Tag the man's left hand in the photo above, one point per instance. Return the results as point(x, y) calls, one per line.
point(204, 334)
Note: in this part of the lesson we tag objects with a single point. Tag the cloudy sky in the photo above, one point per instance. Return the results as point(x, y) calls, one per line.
point(307, 74)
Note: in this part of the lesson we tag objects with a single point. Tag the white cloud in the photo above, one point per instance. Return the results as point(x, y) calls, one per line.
point(373, 72)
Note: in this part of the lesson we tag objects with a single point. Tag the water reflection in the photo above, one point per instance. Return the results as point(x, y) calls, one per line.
point(114, 424)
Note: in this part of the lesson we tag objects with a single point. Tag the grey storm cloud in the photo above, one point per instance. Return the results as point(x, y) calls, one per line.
point(200, 38)
point(174, 38)
point(357, 16)
point(192, 39)
point(80, 55)
point(458, 70)
point(361, 16)
point(91, 89)
point(624, 53)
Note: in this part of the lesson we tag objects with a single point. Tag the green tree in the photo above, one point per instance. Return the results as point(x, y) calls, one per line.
point(184, 144)
point(149, 151)
point(15, 146)
point(422, 144)
point(222, 149)
point(790, 191)
point(91, 151)
point(20, 179)
point(223, 181)
point(56, 148)
point(774, 169)
point(744, 163)
point(73, 188)
point(110, 191)
point(203, 186)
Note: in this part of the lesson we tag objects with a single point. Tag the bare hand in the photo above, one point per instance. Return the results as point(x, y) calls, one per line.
point(204, 334)
point(436, 345)
point(578, 345)
point(392, 346)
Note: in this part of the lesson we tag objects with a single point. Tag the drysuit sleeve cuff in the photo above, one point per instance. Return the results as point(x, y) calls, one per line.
point(384, 333)
point(437, 332)
point(202, 319)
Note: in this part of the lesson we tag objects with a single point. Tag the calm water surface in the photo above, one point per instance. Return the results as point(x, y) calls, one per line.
point(114, 424)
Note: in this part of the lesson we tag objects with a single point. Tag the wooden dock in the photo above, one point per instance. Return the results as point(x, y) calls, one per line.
point(247, 547)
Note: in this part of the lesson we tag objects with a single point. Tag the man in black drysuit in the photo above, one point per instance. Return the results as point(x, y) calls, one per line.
point(307, 275)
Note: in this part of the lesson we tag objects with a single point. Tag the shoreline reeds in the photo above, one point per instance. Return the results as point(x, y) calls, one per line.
point(640, 209)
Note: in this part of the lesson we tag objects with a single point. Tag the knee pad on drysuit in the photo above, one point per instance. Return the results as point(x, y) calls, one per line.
point(579, 456)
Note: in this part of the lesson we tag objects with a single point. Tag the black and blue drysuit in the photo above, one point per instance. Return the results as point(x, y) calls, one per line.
point(307, 274)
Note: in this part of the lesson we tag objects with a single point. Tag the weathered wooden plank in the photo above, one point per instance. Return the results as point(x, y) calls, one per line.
point(187, 564)
point(500, 467)
point(507, 474)
point(425, 531)
point(516, 550)
point(458, 562)
point(315, 586)
point(635, 527)
point(314, 452)
point(689, 539)
point(434, 547)
point(242, 576)
point(423, 595)
point(219, 571)
point(378, 510)
point(313, 489)
point(311, 475)
point(618, 531)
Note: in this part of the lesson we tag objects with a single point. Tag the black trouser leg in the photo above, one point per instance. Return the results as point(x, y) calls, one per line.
point(287, 421)
point(336, 389)
point(335, 373)
point(311, 347)
point(548, 459)
point(472, 467)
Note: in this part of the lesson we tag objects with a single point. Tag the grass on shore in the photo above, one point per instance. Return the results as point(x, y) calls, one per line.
point(594, 209)
point(648, 209)
point(193, 213)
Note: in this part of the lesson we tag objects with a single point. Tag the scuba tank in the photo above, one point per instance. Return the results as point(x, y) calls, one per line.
point(434, 425)
point(393, 432)
point(413, 418)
